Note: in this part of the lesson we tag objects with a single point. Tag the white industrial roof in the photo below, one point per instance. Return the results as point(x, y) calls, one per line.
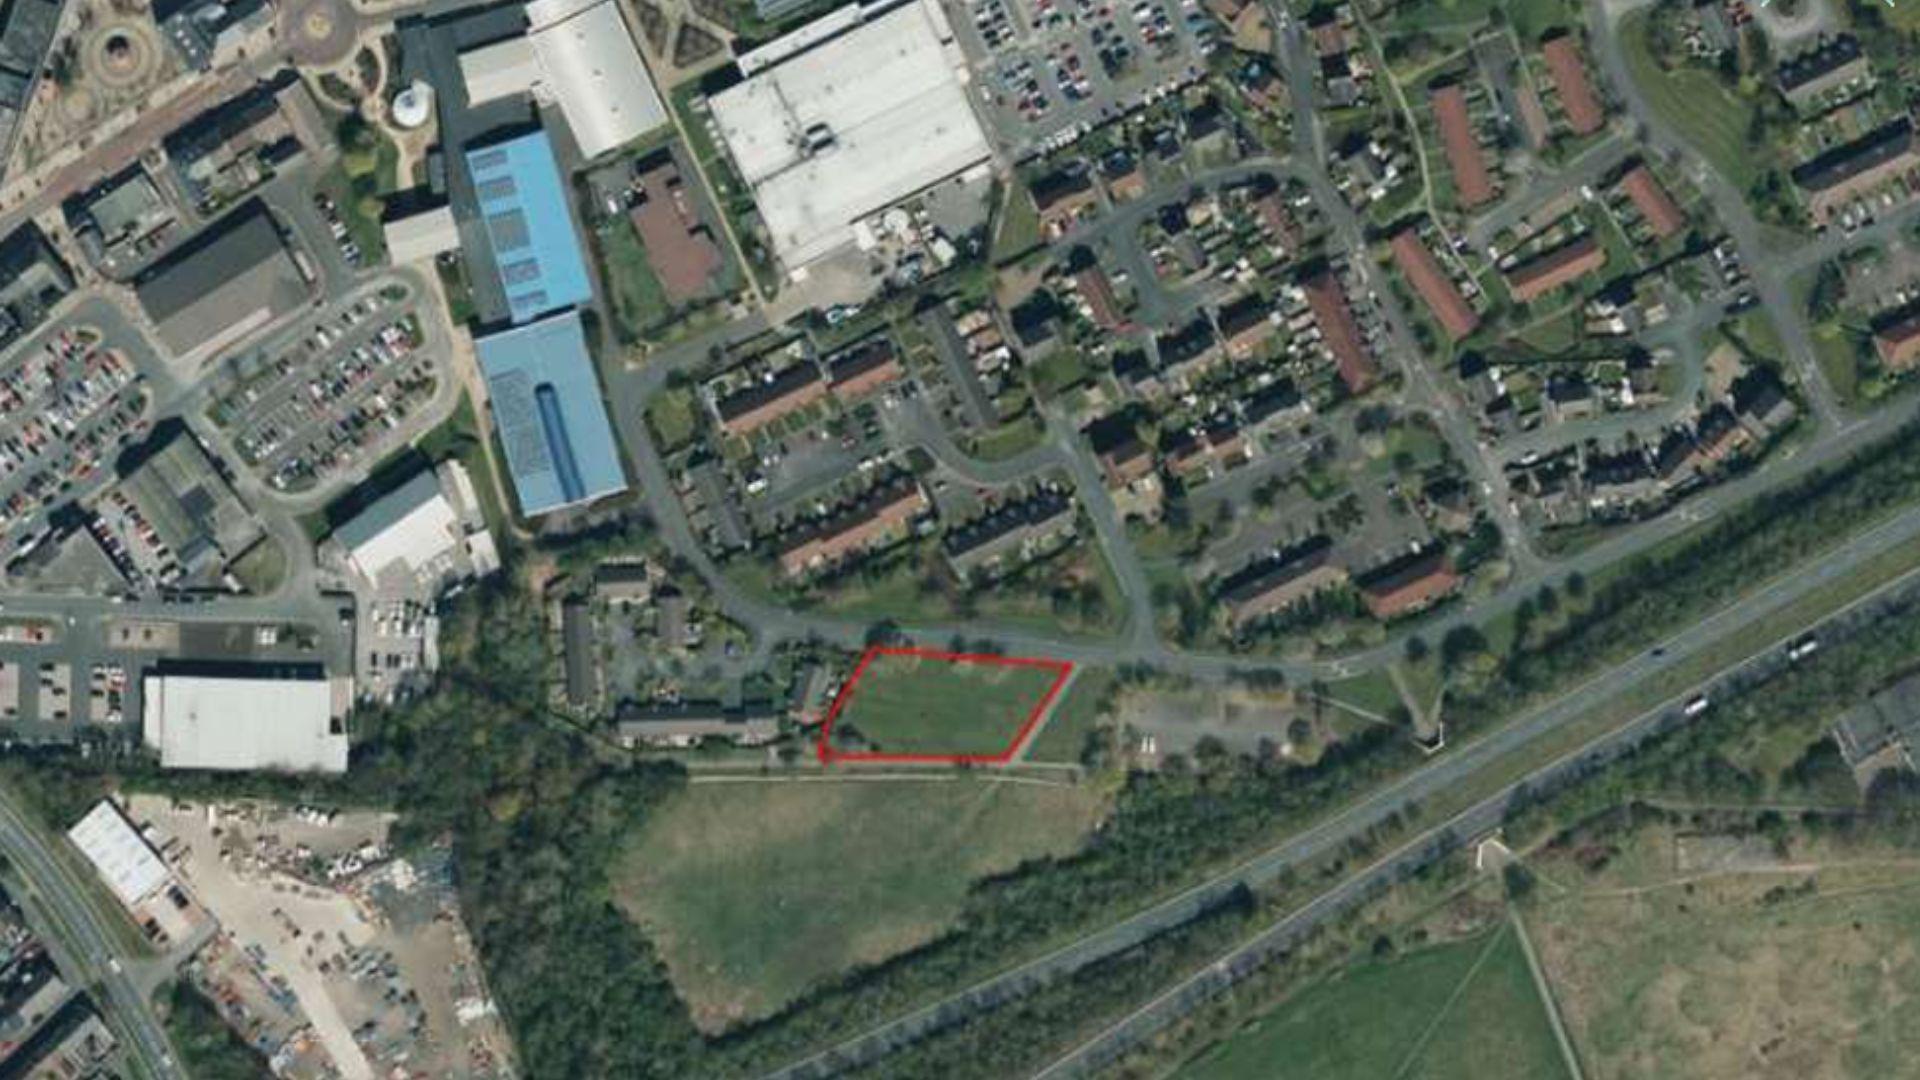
point(123, 858)
point(884, 106)
point(422, 236)
point(222, 722)
point(413, 525)
point(499, 70)
point(593, 69)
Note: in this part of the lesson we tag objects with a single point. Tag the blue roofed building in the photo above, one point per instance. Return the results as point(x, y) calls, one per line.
point(523, 202)
point(547, 408)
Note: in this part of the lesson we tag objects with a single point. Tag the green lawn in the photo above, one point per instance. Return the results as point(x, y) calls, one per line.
point(1018, 229)
point(640, 304)
point(920, 705)
point(671, 414)
point(755, 891)
point(1466, 1010)
point(1838, 364)
point(1695, 105)
point(1373, 692)
point(1065, 735)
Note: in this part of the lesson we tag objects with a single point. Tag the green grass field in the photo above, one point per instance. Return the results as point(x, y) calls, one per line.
point(1065, 734)
point(640, 304)
point(1695, 105)
point(1466, 1010)
point(755, 891)
point(915, 705)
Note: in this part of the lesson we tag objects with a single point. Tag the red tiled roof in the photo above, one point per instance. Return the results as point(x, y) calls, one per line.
point(1341, 332)
point(1456, 316)
point(1663, 217)
point(1470, 174)
point(1544, 273)
point(1415, 586)
point(1898, 343)
point(1584, 114)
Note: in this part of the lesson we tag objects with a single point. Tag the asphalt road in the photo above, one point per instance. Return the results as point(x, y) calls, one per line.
point(84, 948)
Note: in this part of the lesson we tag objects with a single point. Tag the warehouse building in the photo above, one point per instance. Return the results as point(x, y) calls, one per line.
point(547, 407)
point(197, 519)
point(536, 249)
point(222, 286)
point(579, 56)
point(285, 717)
point(428, 529)
point(129, 866)
point(421, 236)
point(845, 117)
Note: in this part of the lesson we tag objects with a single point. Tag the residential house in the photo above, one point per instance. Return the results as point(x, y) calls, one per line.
point(1340, 332)
point(1471, 180)
point(1408, 584)
point(878, 517)
point(1450, 309)
point(1540, 275)
point(1569, 72)
point(761, 402)
point(1269, 586)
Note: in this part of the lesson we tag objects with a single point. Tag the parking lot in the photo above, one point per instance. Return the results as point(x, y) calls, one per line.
point(312, 405)
point(68, 402)
point(1048, 70)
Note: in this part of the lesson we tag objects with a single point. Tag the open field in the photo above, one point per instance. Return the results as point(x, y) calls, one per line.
point(910, 704)
point(1727, 960)
point(1064, 737)
point(753, 892)
point(1466, 1009)
point(1694, 104)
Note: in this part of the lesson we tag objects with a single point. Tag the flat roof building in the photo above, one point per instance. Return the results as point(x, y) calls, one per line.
point(845, 117)
point(223, 286)
point(413, 526)
point(194, 513)
point(579, 56)
point(536, 249)
point(680, 247)
point(547, 407)
point(132, 870)
point(287, 717)
point(422, 236)
point(32, 281)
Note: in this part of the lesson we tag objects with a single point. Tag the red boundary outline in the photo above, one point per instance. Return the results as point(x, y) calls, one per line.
point(828, 755)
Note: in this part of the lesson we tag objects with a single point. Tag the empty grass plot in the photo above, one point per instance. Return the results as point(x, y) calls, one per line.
point(754, 892)
point(1465, 1009)
point(922, 705)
